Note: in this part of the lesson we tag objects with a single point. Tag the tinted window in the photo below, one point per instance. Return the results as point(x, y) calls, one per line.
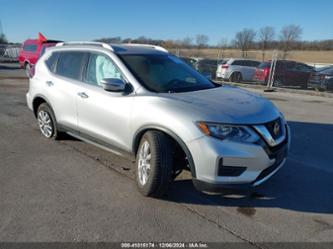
point(222, 62)
point(303, 67)
point(30, 47)
point(70, 64)
point(254, 63)
point(207, 61)
point(264, 65)
point(101, 67)
point(327, 71)
point(51, 61)
point(237, 63)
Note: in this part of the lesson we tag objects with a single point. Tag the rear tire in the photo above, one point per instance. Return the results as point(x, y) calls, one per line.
point(278, 82)
point(154, 164)
point(236, 77)
point(47, 122)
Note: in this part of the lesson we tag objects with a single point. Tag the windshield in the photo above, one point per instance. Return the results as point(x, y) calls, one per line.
point(165, 73)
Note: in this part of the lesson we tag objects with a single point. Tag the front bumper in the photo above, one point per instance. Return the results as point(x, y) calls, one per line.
point(259, 162)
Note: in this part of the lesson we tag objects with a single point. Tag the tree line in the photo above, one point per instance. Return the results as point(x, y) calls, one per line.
point(266, 38)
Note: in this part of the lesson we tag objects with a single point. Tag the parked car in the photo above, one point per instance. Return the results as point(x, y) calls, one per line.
point(141, 101)
point(287, 73)
point(236, 70)
point(31, 50)
point(189, 60)
point(322, 79)
point(206, 67)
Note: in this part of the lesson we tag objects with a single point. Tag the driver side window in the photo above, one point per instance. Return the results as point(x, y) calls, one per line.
point(101, 67)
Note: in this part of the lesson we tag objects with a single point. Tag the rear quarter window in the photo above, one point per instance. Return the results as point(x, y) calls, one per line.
point(70, 64)
point(52, 61)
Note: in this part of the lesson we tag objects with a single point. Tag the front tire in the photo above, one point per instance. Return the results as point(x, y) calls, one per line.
point(47, 122)
point(154, 163)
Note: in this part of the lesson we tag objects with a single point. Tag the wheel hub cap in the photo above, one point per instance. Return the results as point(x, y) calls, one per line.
point(45, 124)
point(144, 163)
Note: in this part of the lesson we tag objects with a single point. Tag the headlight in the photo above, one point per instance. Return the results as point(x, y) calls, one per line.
point(228, 132)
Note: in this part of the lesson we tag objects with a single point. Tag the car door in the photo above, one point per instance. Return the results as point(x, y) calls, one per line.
point(303, 72)
point(103, 116)
point(63, 86)
point(246, 70)
point(289, 76)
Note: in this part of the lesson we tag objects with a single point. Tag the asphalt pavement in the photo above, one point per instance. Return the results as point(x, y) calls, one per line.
point(71, 191)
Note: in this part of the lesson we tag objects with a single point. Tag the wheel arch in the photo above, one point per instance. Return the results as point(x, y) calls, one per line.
point(37, 101)
point(138, 135)
point(232, 73)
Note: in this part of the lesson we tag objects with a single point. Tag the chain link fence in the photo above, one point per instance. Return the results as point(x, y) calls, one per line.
point(9, 53)
point(300, 76)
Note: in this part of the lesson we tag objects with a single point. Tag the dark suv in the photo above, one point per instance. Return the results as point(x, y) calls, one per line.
point(287, 73)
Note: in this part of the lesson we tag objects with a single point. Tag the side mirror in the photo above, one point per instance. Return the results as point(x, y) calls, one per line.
point(113, 85)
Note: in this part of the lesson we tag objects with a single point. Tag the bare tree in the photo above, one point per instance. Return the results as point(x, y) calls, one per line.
point(222, 45)
point(187, 42)
point(266, 36)
point(3, 38)
point(244, 40)
point(202, 41)
point(289, 35)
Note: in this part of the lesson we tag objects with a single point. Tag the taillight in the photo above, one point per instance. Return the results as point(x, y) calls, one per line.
point(266, 71)
point(225, 66)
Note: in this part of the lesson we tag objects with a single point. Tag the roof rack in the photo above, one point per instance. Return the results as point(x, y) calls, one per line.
point(146, 45)
point(104, 45)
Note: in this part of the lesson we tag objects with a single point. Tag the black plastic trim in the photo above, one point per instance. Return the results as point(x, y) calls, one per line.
point(145, 128)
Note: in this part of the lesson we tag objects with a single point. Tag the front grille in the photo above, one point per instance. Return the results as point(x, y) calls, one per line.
point(272, 152)
point(278, 153)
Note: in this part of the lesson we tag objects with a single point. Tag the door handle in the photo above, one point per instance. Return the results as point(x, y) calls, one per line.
point(82, 95)
point(49, 83)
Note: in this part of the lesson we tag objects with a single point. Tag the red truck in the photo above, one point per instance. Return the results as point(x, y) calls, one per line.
point(32, 49)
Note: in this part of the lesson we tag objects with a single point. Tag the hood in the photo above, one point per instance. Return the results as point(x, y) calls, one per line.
point(226, 105)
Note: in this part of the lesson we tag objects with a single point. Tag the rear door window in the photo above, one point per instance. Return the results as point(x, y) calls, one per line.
point(71, 64)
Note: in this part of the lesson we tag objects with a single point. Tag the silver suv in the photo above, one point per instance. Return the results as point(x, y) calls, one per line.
point(236, 70)
point(140, 100)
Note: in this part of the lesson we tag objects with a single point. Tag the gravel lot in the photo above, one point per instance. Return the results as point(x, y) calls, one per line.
point(71, 191)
